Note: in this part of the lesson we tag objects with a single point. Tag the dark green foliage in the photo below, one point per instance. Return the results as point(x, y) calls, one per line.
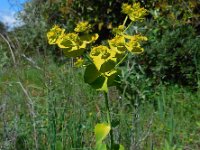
point(172, 55)
point(66, 109)
point(3, 27)
point(103, 14)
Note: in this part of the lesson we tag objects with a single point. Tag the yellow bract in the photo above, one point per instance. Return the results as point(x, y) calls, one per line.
point(79, 62)
point(82, 27)
point(119, 29)
point(101, 131)
point(102, 54)
point(69, 40)
point(117, 44)
point(126, 8)
point(123, 42)
point(87, 39)
point(95, 37)
point(72, 44)
point(133, 44)
point(54, 34)
point(135, 12)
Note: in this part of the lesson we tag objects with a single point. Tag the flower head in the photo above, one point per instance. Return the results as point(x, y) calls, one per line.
point(118, 44)
point(133, 44)
point(135, 12)
point(102, 55)
point(83, 26)
point(126, 8)
point(69, 40)
point(119, 29)
point(54, 34)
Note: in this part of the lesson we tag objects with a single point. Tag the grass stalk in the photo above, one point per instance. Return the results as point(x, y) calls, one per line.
point(106, 97)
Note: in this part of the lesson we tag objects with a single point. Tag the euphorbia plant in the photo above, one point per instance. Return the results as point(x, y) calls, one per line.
point(102, 65)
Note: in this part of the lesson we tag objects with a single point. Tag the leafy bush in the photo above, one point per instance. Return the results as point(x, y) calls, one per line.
point(172, 55)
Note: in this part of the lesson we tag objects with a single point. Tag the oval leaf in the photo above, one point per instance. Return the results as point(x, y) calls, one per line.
point(101, 131)
point(91, 74)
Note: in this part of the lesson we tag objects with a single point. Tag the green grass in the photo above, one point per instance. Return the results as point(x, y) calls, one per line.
point(52, 108)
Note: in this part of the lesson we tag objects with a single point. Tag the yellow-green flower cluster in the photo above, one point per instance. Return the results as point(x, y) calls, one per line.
point(83, 26)
point(103, 70)
point(102, 54)
point(54, 34)
point(72, 44)
point(135, 12)
point(133, 43)
point(119, 29)
point(117, 47)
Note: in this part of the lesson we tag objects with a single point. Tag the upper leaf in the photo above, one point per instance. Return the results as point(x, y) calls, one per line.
point(91, 74)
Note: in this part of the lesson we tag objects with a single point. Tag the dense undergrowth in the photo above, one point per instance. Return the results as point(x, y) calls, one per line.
point(50, 107)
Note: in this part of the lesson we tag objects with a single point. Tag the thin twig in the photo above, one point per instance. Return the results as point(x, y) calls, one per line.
point(32, 113)
point(146, 134)
point(31, 61)
point(11, 51)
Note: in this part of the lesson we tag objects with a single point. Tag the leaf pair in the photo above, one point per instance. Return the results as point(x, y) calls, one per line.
point(98, 80)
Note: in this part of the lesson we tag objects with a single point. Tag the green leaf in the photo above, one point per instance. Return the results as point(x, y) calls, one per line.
point(107, 66)
point(97, 80)
point(73, 51)
point(91, 74)
point(100, 83)
point(112, 75)
point(59, 145)
point(101, 131)
point(121, 147)
point(118, 147)
point(66, 44)
point(101, 147)
point(198, 123)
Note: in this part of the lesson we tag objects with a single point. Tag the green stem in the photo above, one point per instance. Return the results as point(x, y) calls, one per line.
point(122, 60)
point(108, 117)
point(130, 24)
point(125, 20)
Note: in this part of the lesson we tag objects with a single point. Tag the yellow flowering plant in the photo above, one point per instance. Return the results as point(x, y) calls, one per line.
point(134, 12)
point(103, 65)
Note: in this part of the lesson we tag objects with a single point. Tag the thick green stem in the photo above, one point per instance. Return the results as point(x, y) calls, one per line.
point(108, 117)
